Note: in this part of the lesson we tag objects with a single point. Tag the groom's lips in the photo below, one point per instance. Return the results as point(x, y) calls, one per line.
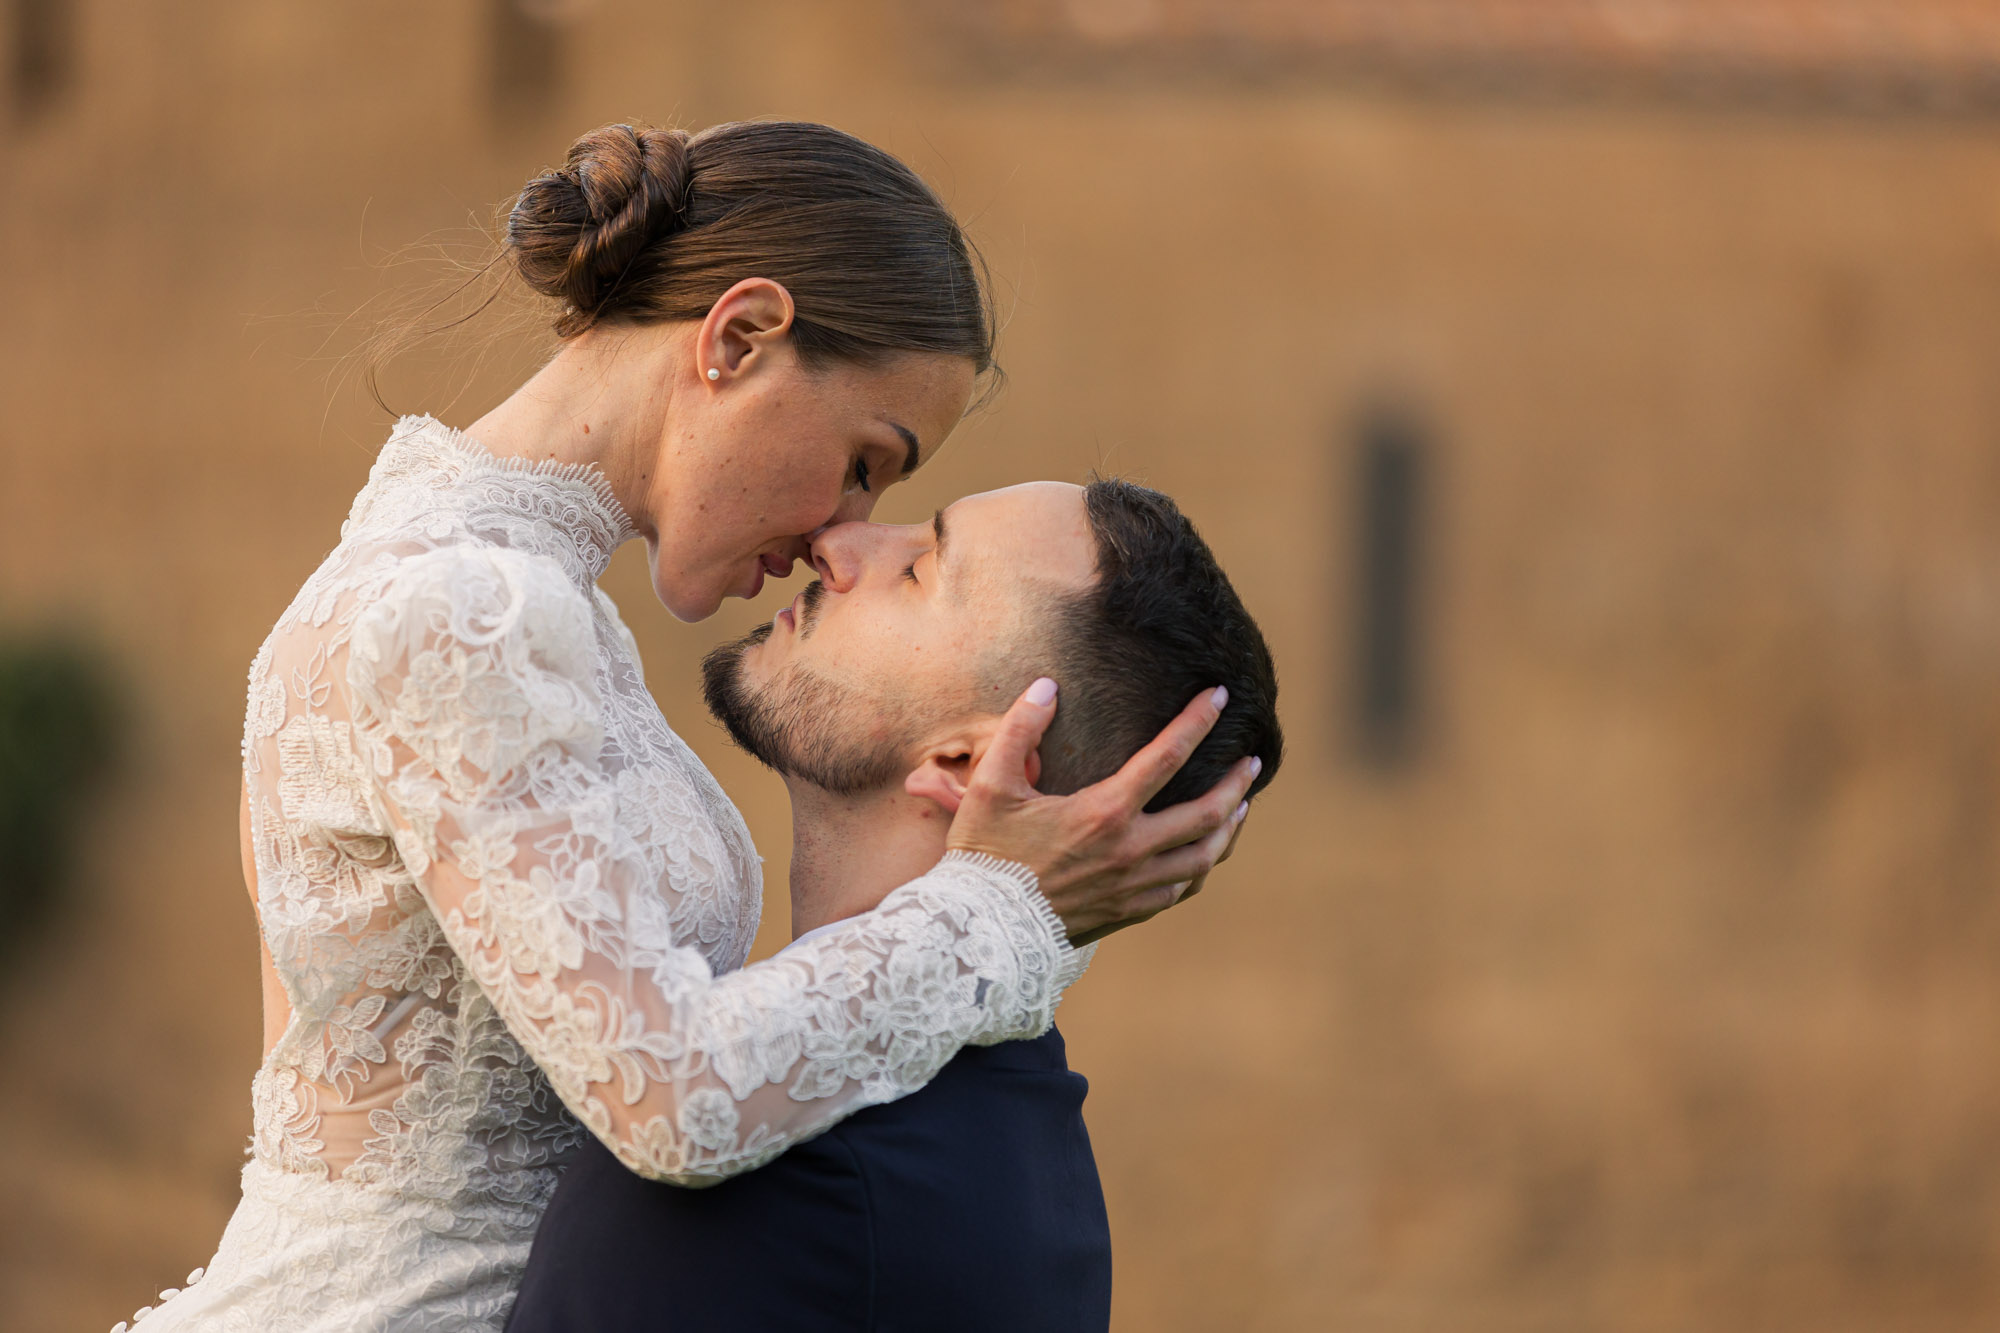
point(789, 616)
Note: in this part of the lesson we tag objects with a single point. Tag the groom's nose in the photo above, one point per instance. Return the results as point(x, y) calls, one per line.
point(836, 554)
point(844, 553)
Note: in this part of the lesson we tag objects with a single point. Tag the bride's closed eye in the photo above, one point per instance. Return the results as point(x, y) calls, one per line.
point(861, 475)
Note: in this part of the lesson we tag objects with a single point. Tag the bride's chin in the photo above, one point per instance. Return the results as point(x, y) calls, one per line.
point(684, 604)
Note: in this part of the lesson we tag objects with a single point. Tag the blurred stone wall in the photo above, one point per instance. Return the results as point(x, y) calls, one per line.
point(1652, 989)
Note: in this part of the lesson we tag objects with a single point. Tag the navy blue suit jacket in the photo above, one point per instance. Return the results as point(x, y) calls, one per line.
point(972, 1204)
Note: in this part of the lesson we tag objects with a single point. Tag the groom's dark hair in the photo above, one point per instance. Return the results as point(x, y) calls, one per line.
point(1160, 625)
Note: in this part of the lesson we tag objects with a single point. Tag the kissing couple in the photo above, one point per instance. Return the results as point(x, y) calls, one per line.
point(517, 1070)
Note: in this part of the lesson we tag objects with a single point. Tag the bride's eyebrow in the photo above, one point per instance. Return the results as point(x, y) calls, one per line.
point(910, 449)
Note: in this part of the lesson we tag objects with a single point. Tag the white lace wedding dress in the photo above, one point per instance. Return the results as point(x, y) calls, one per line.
point(509, 907)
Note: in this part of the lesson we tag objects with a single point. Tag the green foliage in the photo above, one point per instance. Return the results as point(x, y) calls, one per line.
point(58, 736)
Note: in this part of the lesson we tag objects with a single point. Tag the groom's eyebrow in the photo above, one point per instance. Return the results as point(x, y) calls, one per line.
point(937, 531)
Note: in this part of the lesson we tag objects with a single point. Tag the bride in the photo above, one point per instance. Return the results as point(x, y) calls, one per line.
point(502, 904)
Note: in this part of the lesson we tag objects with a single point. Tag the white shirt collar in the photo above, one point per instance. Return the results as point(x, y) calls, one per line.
point(828, 928)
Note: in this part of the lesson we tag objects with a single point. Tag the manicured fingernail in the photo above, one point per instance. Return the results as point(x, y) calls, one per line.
point(1042, 692)
point(1241, 811)
point(1256, 766)
point(1221, 697)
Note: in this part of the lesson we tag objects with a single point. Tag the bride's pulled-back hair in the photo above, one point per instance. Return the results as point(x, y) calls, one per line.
point(642, 225)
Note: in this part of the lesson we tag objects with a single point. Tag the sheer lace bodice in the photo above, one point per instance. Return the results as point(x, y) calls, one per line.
point(508, 906)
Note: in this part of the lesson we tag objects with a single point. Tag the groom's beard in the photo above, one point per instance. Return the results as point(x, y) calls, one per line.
point(794, 724)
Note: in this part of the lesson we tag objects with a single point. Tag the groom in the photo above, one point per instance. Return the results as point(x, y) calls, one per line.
point(973, 1203)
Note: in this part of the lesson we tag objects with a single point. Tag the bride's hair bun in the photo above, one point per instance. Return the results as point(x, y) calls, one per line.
point(578, 230)
point(643, 226)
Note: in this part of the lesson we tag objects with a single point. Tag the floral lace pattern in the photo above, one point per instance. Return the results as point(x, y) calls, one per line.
point(509, 907)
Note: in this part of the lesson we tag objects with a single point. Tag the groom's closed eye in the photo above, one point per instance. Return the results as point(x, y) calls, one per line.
point(936, 552)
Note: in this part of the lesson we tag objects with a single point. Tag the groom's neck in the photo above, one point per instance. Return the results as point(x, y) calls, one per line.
point(848, 852)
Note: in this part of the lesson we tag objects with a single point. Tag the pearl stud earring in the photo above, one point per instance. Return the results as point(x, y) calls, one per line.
point(714, 373)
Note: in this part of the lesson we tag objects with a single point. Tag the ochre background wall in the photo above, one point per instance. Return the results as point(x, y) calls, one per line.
point(1655, 991)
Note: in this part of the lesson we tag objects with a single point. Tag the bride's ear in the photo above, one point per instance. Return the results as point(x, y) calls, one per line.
point(749, 318)
point(947, 769)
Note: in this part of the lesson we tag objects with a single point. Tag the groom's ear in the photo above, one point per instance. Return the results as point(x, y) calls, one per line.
point(947, 768)
point(941, 777)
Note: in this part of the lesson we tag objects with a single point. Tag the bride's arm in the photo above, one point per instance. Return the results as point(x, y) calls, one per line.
point(469, 687)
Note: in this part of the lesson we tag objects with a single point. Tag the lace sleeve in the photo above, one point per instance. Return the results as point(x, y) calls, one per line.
point(471, 693)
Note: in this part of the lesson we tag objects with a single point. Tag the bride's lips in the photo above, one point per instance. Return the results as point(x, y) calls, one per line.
point(777, 566)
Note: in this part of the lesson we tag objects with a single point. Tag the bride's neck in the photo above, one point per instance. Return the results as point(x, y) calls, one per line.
point(849, 852)
point(605, 399)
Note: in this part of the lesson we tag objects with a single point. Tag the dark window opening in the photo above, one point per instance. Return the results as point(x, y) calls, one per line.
point(530, 56)
point(1389, 484)
point(43, 57)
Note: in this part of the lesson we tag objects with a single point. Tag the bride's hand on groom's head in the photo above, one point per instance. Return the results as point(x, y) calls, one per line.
point(1199, 882)
point(1103, 862)
point(1183, 891)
